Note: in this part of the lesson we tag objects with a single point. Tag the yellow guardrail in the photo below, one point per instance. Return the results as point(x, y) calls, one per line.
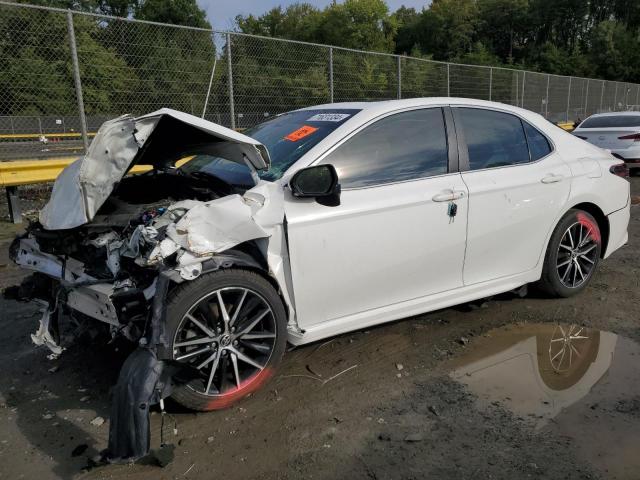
point(568, 126)
point(29, 172)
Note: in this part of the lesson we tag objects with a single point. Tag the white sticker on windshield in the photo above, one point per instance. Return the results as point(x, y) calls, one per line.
point(328, 117)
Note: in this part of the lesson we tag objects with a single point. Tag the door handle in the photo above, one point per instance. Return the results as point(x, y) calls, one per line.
point(552, 178)
point(448, 195)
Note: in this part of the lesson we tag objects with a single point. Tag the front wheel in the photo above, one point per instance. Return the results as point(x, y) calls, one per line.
point(229, 327)
point(572, 255)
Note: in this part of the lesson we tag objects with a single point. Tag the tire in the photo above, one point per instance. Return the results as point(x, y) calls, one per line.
point(561, 279)
point(241, 361)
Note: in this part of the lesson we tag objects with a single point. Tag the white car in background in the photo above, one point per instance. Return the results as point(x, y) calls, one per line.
point(618, 132)
point(317, 222)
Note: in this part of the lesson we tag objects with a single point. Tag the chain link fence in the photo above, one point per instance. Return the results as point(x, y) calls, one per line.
point(63, 73)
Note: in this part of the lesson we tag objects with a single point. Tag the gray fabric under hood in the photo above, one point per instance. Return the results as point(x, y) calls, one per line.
point(83, 186)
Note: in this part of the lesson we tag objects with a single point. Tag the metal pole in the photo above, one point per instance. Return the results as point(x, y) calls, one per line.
point(568, 99)
point(331, 74)
point(601, 96)
point(586, 99)
point(546, 102)
point(524, 74)
point(206, 100)
point(399, 78)
point(232, 109)
point(448, 80)
point(76, 79)
point(490, 81)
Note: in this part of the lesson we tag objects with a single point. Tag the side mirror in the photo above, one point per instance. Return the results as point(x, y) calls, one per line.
point(319, 182)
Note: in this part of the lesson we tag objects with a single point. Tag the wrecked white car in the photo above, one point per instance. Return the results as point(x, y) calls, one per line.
point(232, 244)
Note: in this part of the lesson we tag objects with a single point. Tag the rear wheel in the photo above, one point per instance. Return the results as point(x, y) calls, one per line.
point(572, 255)
point(229, 326)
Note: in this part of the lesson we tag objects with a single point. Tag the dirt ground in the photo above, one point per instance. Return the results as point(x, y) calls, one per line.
point(466, 392)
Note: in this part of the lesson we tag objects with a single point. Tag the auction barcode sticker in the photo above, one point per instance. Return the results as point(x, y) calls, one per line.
point(328, 117)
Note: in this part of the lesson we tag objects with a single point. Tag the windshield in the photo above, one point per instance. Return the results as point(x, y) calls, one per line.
point(287, 137)
point(609, 121)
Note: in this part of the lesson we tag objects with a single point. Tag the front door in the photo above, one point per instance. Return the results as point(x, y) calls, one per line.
point(394, 237)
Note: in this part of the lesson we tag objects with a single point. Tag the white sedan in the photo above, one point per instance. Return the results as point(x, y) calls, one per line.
point(618, 132)
point(317, 222)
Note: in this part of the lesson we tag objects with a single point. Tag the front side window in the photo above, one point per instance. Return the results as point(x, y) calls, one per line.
point(403, 146)
point(494, 139)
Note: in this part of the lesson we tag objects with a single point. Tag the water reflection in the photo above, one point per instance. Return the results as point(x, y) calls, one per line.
point(580, 383)
point(537, 370)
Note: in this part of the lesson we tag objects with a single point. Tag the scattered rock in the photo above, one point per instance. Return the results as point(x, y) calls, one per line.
point(385, 437)
point(434, 410)
point(47, 416)
point(399, 366)
point(414, 437)
point(79, 450)
point(97, 422)
point(85, 398)
point(163, 455)
point(463, 341)
point(210, 439)
point(54, 369)
point(399, 375)
point(381, 420)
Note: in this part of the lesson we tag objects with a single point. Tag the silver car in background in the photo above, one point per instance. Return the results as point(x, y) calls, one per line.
point(618, 132)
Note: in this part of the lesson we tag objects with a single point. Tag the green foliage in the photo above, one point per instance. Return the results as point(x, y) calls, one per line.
point(569, 37)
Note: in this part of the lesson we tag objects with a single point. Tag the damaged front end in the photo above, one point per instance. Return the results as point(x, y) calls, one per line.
point(109, 248)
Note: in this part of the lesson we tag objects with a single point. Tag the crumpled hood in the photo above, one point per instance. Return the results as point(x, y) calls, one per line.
point(159, 139)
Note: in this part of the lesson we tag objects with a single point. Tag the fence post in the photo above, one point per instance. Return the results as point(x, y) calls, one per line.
point(399, 77)
point(232, 109)
point(546, 101)
point(76, 79)
point(568, 99)
point(601, 96)
point(490, 81)
point(586, 99)
point(331, 74)
point(213, 71)
point(615, 99)
point(635, 107)
point(524, 74)
point(448, 80)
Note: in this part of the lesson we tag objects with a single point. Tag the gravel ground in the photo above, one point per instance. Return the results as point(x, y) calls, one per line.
point(381, 403)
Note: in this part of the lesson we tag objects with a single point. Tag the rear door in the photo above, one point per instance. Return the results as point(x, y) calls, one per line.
point(391, 239)
point(517, 187)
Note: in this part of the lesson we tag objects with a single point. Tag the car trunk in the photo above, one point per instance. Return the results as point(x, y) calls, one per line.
point(608, 138)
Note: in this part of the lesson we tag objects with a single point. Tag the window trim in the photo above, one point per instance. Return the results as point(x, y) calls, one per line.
point(464, 149)
point(452, 145)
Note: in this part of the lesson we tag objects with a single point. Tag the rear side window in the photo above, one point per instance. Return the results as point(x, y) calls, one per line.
point(611, 121)
point(538, 143)
point(494, 139)
point(404, 146)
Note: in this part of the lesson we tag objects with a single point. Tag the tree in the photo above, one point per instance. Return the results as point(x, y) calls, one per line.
point(447, 29)
point(177, 12)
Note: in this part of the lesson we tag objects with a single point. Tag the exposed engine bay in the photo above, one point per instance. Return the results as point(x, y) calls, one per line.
point(109, 246)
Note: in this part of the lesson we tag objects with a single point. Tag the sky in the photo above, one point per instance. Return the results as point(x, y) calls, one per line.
point(222, 12)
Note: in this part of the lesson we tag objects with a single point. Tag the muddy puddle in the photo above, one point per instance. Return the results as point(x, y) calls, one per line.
point(579, 382)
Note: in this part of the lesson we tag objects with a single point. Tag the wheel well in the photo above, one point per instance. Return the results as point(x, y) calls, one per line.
point(601, 218)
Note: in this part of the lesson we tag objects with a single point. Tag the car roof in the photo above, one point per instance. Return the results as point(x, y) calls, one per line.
point(615, 114)
point(382, 106)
